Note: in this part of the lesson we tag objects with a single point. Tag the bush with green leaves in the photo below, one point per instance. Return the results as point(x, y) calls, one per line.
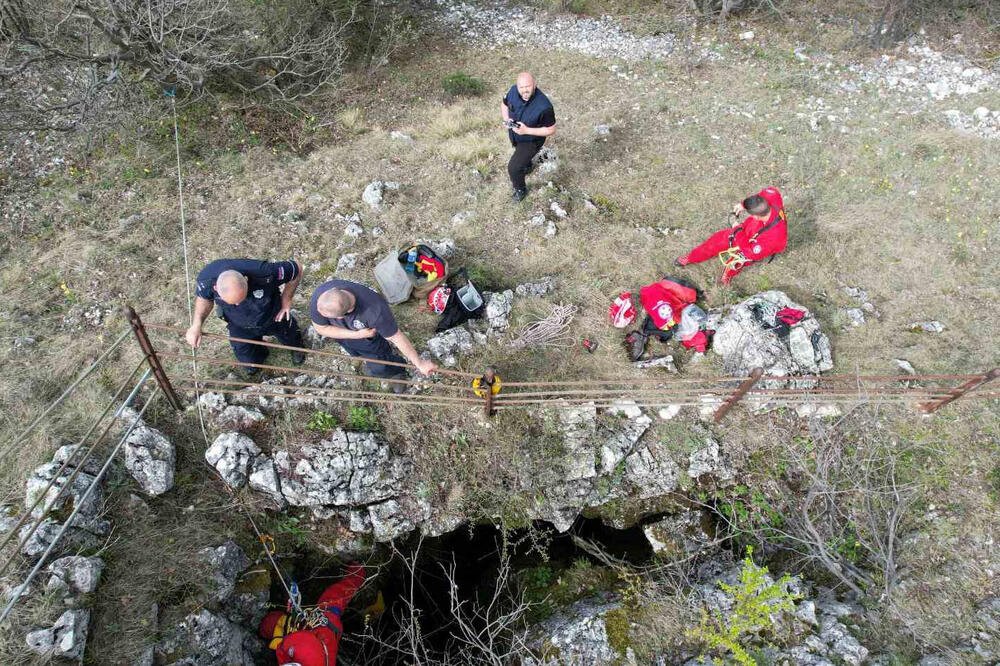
point(321, 421)
point(461, 84)
point(756, 600)
point(362, 419)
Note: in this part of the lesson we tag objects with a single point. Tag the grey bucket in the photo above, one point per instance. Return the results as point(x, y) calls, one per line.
point(395, 284)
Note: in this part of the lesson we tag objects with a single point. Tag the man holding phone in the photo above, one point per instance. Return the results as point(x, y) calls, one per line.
point(529, 118)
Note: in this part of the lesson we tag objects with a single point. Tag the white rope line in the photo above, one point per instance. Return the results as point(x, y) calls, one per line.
point(180, 197)
point(194, 350)
point(550, 331)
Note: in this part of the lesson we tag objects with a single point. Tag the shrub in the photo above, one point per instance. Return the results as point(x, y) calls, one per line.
point(362, 418)
point(461, 84)
point(321, 421)
point(755, 601)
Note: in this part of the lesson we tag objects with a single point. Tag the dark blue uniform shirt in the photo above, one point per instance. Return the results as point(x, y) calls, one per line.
point(536, 112)
point(263, 296)
point(370, 309)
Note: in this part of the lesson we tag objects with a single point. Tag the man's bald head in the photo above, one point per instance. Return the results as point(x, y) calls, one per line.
point(525, 85)
point(231, 287)
point(335, 303)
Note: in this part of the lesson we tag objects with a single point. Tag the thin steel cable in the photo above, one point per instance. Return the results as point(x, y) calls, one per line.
point(318, 352)
point(818, 378)
point(326, 398)
point(697, 390)
point(190, 304)
point(313, 371)
point(78, 465)
point(9, 446)
point(715, 401)
point(19, 590)
point(311, 391)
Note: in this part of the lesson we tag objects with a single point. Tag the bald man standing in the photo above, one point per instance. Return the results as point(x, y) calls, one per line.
point(251, 300)
point(360, 320)
point(529, 118)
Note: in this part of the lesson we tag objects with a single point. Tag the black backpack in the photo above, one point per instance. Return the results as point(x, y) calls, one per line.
point(455, 311)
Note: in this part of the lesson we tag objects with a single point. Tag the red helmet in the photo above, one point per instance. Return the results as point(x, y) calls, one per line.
point(437, 299)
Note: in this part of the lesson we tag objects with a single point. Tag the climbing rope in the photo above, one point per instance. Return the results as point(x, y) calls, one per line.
point(171, 94)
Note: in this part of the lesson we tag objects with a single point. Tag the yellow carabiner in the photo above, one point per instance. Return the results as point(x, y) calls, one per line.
point(477, 386)
point(268, 542)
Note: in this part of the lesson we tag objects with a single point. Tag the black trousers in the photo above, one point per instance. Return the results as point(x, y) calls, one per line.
point(286, 331)
point(520, 162)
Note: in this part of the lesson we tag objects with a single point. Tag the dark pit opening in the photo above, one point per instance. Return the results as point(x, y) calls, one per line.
point(471, 559)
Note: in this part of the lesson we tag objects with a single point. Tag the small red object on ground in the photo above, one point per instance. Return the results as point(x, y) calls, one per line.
point(589, 345)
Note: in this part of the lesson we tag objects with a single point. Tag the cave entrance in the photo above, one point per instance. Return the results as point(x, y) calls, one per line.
point(438, 589)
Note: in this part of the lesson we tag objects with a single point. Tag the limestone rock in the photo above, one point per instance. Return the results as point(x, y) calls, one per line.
point(353, 230)
point(651, 472)
point(446, 346)
point(389, 520)
point(74, 454)
point(546, 161)
point(226, 563)
point(666, 361)
point(927, 326)
point(82, 535)
point(498, 306)
point(207, 639)
point(77, 495)
point(709, 462)
point(443, 247)
point(347, 262)
point(679, 535)
point(264, 478)
point(231, 455)
point(374, 194)
point(149, 456)
point(238, 417)
point(579, 633)
point(212, 402)
point(74, 576)
point(347, 469)
point(669, 412)
point(579, 427)
point(66, 639)
point(540, 288)
point(750, 336)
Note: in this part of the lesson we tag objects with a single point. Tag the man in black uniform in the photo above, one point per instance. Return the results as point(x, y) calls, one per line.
point(529, 118)
point(360, 320)
point(247, 293)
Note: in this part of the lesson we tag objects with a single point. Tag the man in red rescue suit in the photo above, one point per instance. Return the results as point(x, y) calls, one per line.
point(764, 233)
point(314, 645)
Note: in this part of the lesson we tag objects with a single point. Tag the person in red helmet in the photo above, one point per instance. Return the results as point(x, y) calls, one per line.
point(763, 233)
point(315, 641)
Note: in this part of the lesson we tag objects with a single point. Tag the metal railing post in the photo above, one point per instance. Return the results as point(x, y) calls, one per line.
point(957, 392)
point(154, 361)
point(740, 391)
point(488, 378)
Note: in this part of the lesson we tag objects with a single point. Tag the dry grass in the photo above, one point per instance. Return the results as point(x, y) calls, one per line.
point(675, 158)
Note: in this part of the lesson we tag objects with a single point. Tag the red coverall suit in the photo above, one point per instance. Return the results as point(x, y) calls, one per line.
point(318, 646)
point(756, 239)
